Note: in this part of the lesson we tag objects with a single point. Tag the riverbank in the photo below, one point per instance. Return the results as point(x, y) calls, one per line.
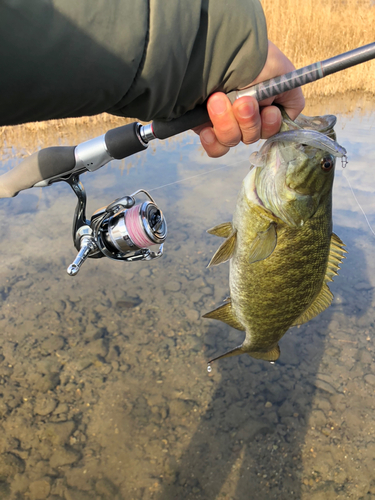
point(308, 31)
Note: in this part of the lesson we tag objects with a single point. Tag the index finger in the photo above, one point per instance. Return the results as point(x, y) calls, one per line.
point(293, 102)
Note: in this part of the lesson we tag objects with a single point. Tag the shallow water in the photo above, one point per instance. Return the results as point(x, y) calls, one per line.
point(104, 386)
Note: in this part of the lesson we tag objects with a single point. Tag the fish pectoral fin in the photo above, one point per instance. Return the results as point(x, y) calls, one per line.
point(272, 355)
point(225, 250)
point(225, 314)
point(264, 244)
point(223, 230)
point(320, 303)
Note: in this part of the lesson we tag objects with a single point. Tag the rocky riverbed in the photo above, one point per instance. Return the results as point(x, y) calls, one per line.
point(104, 390)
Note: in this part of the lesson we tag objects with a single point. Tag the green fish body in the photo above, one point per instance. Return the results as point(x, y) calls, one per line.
point(280, 243)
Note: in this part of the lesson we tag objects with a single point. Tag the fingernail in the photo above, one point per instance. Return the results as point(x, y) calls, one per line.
point(217, 105)
point(272, 116)
point(246, 110)
point(208, 136)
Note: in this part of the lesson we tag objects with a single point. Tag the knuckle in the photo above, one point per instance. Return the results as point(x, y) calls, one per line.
point(230, 138)
point(251, 135)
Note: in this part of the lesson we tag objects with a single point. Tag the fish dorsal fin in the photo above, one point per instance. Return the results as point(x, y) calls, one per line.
point(336, 255)
point(225, 313)
point(271, 355)
point(225, 250)
point(325, 296)
point(264, 244)
point(223, 230)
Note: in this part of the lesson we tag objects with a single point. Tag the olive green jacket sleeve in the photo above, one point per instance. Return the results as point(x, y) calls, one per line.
point(135, 58)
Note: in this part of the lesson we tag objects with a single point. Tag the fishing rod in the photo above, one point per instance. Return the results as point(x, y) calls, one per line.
point(123, 230)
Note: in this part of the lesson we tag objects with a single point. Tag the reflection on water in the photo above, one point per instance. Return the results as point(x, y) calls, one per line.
point(104, 386)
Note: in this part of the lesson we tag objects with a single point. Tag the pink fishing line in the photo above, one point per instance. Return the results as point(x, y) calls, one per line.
point(135, 228)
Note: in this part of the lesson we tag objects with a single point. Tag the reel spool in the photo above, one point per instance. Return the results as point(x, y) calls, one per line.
point(133, 229)
point(120, 231)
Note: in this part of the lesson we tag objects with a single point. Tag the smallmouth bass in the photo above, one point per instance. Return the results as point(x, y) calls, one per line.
point(280, 243)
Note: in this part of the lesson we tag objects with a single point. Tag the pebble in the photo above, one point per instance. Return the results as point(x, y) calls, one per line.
point(317, 418)
point(172, 286)
point(192, 314)
point(370, 379)
point(268, 404)
point(326, 378)
point(97, 347)
point(59, 306)
point(61, 408)
point(84, 363)
point(39, 490)
point(106, 488)
point(52, 344)
point(144, 273)
point(63, 456)
point(73, 494)
point(44, 382)
point(10, 465)
point(324, 386)
point(59, 433)
point(45, 406)
point(179, 407)
point(196, 296)
point(365, 357)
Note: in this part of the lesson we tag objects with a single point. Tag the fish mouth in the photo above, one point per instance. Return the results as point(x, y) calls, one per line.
point(251, 189)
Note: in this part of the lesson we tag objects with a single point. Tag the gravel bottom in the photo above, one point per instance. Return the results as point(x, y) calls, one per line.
point(104, 390)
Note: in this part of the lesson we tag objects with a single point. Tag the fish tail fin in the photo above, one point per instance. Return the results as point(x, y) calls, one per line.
point(232, 352)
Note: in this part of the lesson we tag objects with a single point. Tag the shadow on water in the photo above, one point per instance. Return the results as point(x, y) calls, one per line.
point(249, 442)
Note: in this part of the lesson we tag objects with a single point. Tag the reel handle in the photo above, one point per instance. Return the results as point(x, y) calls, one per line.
point(87, 246)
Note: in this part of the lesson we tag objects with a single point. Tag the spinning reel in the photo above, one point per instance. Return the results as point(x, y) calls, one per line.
point(123, 230)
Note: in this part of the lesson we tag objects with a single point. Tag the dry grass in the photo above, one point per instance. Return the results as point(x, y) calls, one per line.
point(308, 31)
point(27, 138)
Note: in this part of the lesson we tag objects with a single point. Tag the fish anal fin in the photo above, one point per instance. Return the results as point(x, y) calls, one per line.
point(264, 244)
point(325, 296)
point(223, 230)
point(225, 314)
point(271, 355)
point(320, 303)
point(225, 250)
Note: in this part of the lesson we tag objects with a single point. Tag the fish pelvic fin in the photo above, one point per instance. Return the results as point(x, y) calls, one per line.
point(223, 230)
point(272, 355)
point(225, 250)
point(264, 244)
point(233, 352)
point(225, 314)
point(325, 296)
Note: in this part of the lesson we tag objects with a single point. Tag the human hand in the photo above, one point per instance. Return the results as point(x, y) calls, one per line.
point(247, 120)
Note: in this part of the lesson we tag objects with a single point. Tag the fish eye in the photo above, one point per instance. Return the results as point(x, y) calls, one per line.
point(327, 163)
